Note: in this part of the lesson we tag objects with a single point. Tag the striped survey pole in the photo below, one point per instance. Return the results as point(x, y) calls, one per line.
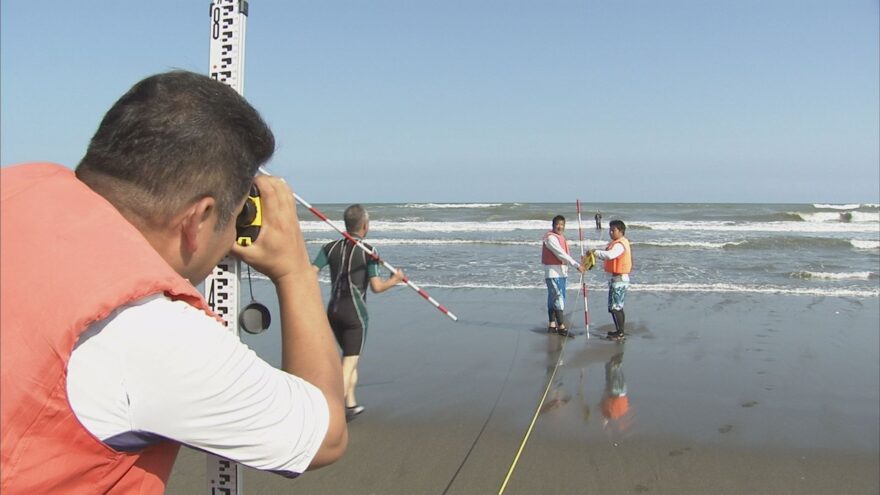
point(375, 256)
point(583, 283)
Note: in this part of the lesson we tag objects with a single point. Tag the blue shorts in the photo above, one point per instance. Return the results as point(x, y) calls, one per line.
point(616, 295)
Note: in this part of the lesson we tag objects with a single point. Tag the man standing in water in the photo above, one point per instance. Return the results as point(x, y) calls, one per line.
point(618, 263)
point(351, 269)
point(555, 257)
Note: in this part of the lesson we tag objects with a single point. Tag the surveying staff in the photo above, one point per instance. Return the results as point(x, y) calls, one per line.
point(618, 263)
point(351, 269)
point(110, 356)
point(555, 257)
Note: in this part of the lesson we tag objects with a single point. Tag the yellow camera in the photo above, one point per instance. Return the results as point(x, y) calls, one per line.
point(249, 221)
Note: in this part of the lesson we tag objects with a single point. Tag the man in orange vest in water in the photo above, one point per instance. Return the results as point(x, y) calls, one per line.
point(618, 263)
point(110, 357)
point(555, 257)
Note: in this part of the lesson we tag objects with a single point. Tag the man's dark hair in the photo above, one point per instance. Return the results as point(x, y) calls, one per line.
point(355, 216)
point(172, 139)
point(557, 219)
point(619, 225)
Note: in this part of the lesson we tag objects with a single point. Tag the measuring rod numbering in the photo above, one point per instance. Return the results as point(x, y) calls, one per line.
point(228, 28)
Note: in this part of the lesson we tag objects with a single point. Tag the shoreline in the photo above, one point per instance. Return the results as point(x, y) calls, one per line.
point(728, 393)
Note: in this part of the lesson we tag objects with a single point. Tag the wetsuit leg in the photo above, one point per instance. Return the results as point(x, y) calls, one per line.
point(619, 320)
point(348, 327)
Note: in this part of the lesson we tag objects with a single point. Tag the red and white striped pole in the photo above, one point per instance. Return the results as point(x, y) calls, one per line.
point(583, 284)
point(375, 256)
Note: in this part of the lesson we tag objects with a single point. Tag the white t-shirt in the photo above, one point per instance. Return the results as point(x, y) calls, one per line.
point(557, 271)
point(159, 367)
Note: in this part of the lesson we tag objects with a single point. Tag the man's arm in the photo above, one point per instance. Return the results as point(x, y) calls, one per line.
point(308, 347)
point(377, 284)
point(610, 254)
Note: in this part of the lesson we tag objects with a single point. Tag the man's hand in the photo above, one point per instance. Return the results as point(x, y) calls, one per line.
point(308, 349)
point(279, 249)
point(588, 261)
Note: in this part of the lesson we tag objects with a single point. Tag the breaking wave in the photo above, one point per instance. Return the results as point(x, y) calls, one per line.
point(849, 206)
point(806, 275)
point(452, 205)
point(860, 244)
point(685, 287)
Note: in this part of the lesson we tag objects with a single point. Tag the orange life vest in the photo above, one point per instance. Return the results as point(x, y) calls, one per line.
point(69, 258)
point(613, 407)
point(547, 256)
point(623, 263)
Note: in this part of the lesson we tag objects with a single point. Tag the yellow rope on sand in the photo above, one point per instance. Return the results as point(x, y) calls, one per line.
point(534, 419)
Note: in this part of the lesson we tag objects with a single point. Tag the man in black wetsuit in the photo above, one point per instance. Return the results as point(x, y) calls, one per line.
point(351, 269)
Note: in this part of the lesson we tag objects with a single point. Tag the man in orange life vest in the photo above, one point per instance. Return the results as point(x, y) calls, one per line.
point(618, 263)
point(109, 356)
point(555, 257)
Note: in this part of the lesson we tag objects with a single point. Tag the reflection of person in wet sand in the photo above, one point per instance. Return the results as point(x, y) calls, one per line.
point(556, 396)
point(615, 403)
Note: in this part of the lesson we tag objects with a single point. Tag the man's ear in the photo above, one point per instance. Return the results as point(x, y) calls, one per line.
point(199, 216)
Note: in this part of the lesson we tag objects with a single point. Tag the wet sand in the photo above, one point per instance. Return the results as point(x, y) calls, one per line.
point(728, 393)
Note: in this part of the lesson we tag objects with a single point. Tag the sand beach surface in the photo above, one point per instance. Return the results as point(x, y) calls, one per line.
point(725, 393)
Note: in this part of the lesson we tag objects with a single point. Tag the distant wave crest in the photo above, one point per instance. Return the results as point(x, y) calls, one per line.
point(860, 244)
point(398, 226)
point(452, 205)
point(685, 244)
point(807, 275)
point(849, 206)
point(844, 216)
point(685, 287)
point(436, 242)
point(791, 226)
point(573, 243)
point(868, 224)
point(659, 287)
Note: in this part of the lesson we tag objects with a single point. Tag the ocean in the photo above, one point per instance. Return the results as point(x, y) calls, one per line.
point(796, 249)
point(752, 343)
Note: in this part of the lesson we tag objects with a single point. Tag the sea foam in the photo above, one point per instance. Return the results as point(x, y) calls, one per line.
point(861, 244)
point(833, 276)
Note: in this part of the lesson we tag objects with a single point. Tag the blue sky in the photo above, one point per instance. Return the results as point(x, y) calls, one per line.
point(383, 101)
